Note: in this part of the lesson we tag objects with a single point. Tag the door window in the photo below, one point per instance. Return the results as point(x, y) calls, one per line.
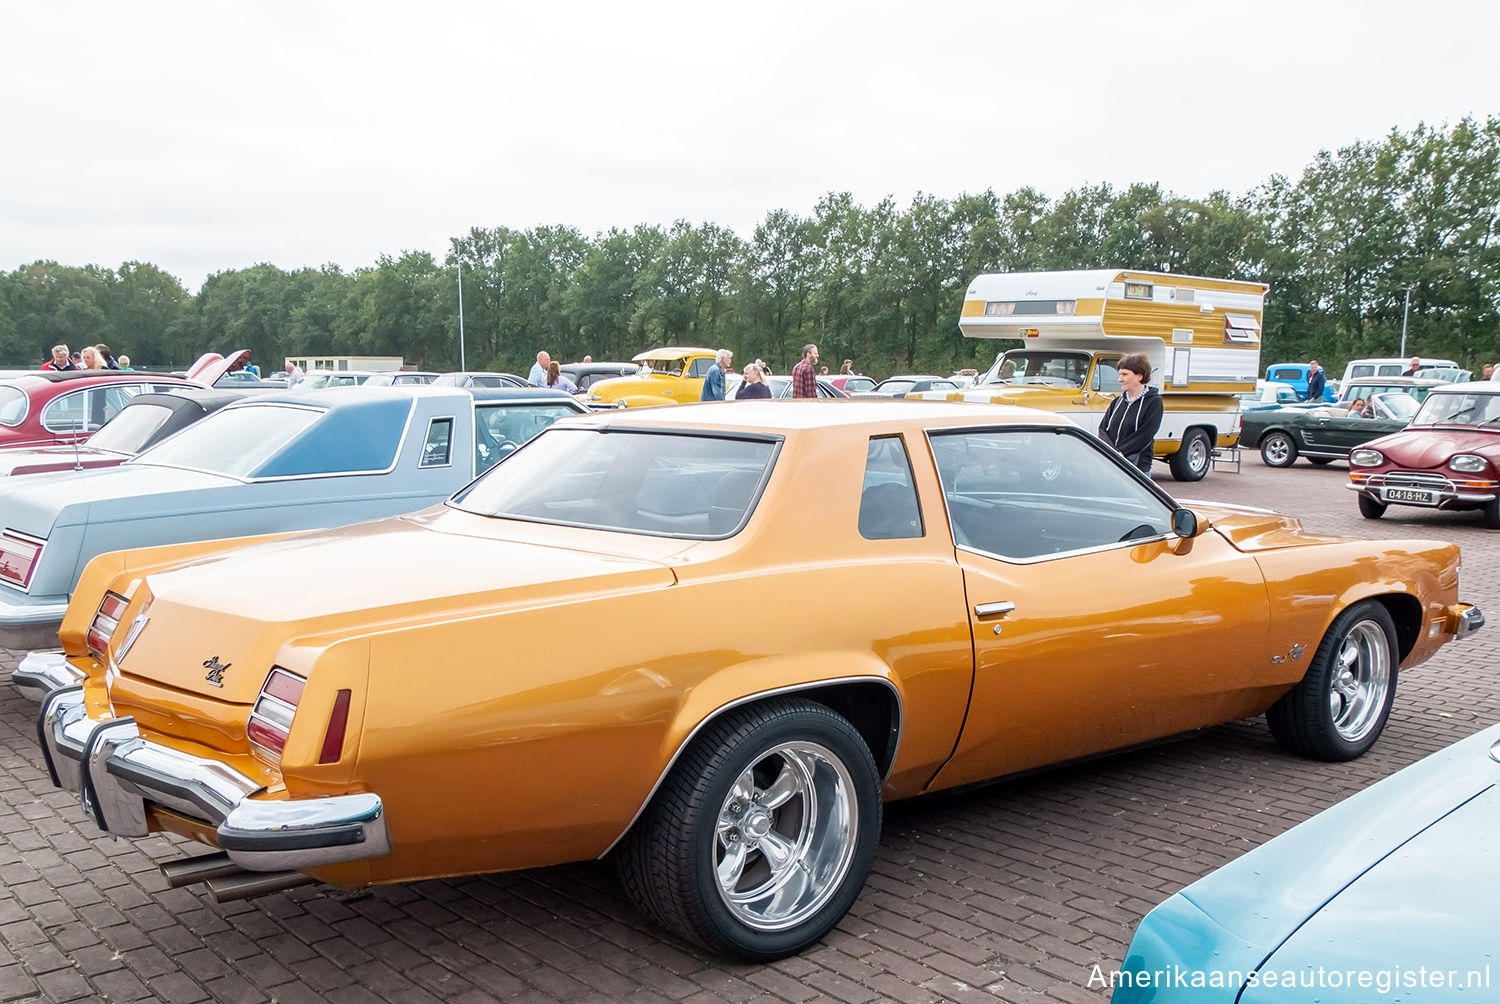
point(1028, 495)
point(700, 368)
point(86, 410)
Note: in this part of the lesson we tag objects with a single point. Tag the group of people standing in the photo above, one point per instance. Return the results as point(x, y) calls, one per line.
point(90, 357)
point(804, 377)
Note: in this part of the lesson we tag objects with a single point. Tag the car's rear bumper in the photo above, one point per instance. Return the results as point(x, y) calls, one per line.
point(118, 775)
point(31, 623)
point(40, 673)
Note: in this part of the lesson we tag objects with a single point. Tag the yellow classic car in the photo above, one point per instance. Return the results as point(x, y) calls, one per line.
point(670, 376)
point(875, 601)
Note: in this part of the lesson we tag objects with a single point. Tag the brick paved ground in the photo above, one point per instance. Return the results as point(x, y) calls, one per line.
point(1009, 893)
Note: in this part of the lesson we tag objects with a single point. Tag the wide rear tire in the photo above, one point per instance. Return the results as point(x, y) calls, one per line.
point(760, 838)
point(1341, 706)
point(1193, 456)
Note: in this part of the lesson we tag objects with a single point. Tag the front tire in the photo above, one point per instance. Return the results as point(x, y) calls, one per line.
point(1341, 706)
point(1369, 508)
point(1492, 513)
point(1193, 456)
point(1278, 450)
point(760, 838)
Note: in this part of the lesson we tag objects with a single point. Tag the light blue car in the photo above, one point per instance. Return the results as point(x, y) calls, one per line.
point(272, 463)
point(1391, 895)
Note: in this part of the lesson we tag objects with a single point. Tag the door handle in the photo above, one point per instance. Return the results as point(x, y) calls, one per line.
point(999, 609)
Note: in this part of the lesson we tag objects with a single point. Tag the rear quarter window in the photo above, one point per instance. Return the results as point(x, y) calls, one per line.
point(13, 403)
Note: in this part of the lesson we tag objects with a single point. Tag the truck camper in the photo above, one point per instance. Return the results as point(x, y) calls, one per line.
point(1201, 335)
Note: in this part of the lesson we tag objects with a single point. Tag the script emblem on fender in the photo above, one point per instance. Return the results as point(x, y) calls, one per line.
point(216, 670)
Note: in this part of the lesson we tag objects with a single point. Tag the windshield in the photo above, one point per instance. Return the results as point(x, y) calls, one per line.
point(1034, 366)
point(640, 482)
point(131, 429)
point(234, 441)
point(1460, 409)
point(1396, 407)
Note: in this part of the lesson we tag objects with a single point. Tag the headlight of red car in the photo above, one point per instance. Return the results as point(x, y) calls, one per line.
point(1366, 458)
point(1468, 463)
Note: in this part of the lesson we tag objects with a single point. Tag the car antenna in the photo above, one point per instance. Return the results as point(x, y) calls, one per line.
point(78, 457)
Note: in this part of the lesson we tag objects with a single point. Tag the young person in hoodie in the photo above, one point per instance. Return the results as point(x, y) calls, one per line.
point(1132, 420)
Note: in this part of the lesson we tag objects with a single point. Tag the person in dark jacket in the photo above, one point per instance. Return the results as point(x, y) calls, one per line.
point(754, 385)
point(1315, 380)
point(1132, 420)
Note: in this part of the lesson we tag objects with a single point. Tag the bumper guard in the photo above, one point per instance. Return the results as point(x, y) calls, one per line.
point(115, 773)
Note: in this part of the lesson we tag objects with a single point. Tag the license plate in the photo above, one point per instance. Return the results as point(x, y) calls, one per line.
point(1415, 496)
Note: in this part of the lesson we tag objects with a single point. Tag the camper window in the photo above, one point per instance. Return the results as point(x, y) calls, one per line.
point(1139, 291)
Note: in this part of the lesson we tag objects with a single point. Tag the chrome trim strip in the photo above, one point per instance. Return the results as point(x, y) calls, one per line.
point(40, 673)
point(762, 695)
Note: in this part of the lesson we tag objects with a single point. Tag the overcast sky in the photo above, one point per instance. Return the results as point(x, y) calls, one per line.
point(205, 136)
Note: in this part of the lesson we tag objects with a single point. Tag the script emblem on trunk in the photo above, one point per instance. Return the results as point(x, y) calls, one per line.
point(215, 670)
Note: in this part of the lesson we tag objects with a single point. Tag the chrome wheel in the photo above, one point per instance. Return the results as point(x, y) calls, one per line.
point(1359, 682)
point(786, 835)
point(1277, 450)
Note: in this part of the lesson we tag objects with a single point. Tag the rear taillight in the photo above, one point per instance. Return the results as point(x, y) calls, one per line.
point(106, 620)
point(18, 555)
point(271, 717)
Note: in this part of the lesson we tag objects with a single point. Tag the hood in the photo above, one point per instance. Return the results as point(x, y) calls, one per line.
point(236, 607)
point(55, 458)
point(1422, 449)
point(1250, 529)
point(210, 366)
point(1432, 902)
point(36, 505)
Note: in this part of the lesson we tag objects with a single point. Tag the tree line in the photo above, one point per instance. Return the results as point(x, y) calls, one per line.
point(1343, 246)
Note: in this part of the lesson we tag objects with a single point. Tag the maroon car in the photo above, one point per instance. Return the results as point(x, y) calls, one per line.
point(1447, 458)
point(142, 423)
point(58, 409)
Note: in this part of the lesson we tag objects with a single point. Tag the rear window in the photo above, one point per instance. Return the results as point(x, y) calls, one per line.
point(12, 405)
point(131, 429)
point(654, 483)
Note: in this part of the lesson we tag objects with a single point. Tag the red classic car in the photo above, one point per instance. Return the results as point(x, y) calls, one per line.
point(1447, 458)
point(58, 409)
point(145, 421)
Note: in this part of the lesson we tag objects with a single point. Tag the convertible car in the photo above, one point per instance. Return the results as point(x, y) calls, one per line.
point(1448, 458)
point(872, 600)
point(1322, 434)
point(272, 462)
point(1392, 894)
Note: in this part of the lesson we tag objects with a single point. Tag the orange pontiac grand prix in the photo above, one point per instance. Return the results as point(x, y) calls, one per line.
point(707, 641)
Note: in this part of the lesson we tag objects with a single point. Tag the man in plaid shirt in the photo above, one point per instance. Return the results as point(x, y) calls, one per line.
point(804, 380)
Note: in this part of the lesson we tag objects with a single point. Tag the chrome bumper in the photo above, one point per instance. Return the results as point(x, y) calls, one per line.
point(1468, 619)
point(115, 773)
point(30, 625)
point(40, 673)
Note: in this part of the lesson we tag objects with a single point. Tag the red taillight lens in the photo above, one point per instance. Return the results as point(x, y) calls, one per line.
point(106, 620)
point(18, 556)
point(271, 717)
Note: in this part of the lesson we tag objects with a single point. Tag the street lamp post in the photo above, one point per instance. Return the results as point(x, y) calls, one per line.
point(459, 262)
point(1404, 313)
